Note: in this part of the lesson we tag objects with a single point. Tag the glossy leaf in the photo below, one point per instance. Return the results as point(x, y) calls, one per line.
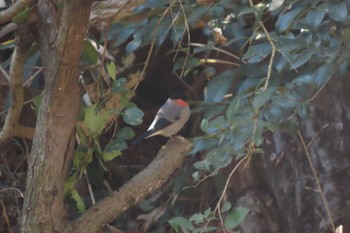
point(133, 116)
point(113, 149)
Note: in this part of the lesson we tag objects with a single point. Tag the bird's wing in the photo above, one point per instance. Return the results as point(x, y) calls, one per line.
point(161, 123)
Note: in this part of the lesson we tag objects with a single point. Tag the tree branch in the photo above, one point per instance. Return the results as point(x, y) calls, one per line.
point(8, 14)
point(154, 176)
point(15, 84)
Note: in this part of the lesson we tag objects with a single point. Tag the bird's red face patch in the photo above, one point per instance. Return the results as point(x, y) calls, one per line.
point(181, 103)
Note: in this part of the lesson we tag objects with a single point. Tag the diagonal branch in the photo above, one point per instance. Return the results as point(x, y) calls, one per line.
point(15, 84)
point(8, 14)
point(154, 176)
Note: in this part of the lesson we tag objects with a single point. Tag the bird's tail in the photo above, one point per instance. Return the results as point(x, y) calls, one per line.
point(141, 137)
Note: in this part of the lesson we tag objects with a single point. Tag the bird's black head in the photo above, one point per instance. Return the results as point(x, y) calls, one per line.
point(178, 95)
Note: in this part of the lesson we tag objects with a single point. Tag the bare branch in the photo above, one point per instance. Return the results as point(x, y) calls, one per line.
point(15, 84)
point(154, 176)
point(8, 14)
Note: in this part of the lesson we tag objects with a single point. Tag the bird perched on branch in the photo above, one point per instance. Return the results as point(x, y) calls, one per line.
point(170, 118)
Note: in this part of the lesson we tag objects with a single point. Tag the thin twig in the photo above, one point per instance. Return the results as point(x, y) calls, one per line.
point(6, 216)
point(273, 51)
point(218, 50)
point(92, 196)
point(319, 188)
point(15, 85)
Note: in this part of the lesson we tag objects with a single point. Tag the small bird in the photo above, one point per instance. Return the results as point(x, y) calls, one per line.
point(170, 118)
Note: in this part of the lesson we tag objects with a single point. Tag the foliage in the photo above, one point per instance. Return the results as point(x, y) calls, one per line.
point(287, 49)
point(288, 54)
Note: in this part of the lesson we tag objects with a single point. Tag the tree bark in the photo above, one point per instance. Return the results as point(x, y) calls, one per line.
point(280, 187)
point(52, 151)
point(143, 184)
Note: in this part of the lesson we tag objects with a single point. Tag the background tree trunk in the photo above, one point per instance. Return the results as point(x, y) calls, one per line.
point(279, 186)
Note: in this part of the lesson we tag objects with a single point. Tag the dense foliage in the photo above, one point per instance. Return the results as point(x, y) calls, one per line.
point(278, 55)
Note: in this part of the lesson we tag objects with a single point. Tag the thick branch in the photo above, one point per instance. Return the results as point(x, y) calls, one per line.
point(15, 84)
point(154, 176)
point(8, 14)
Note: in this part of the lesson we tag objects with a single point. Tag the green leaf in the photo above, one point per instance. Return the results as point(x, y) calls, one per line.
point(258, 52)
point(119, 86)
point(337, 11)
point(226, 207)
point(261, 98)
point(286, 20)
point(235, 217)
point(247, 11)
point(112, 70)
point(205, 229)
point(125, 133)
point(186, 63)
point(232, 108)
point(95, 121)
point(315, 17)
point(132, 116)
point(179, 223)
point(21, 17)
point(78, 200)
point(219, 85)
point(113, 149)
point(7, 44)
point(90, 54)
point(133, 45)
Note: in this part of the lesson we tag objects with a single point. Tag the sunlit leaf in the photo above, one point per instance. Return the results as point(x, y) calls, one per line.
point(95, 121)
point(78, 200)
point(112, 70)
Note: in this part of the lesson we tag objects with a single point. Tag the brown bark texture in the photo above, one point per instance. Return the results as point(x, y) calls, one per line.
point(43, 209)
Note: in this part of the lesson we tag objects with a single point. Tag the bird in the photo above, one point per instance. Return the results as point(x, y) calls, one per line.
point(170, 118)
